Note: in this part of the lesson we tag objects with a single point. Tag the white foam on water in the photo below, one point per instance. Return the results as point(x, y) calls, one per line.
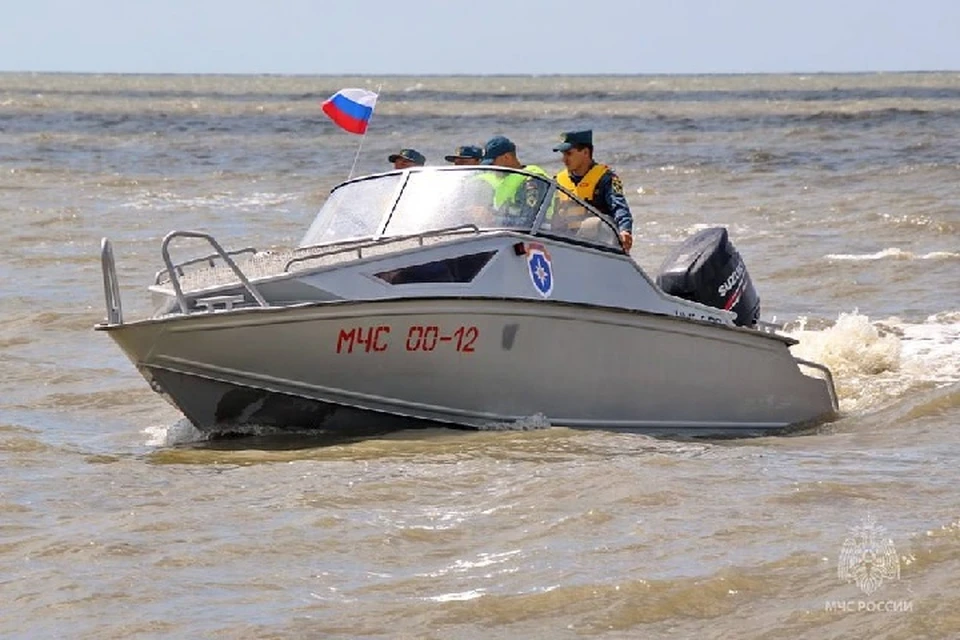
point(483, 561)
point(874, 362)
point(167, 201)
point(851, 345)
point(183, 432)
point(528, 423)
point(476, 593)
point(462, 596)
point(892, 253)
point(931, 350)
point(180, 432)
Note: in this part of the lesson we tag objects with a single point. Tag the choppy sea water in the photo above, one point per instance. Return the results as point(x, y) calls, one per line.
point(116, 520)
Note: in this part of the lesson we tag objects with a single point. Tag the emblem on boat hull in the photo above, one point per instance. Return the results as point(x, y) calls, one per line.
point(540, 268)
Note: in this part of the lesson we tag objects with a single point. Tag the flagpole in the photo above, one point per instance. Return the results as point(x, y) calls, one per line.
point(360, 146)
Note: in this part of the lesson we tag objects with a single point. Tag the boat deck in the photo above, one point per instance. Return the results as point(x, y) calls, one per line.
point(210, 271)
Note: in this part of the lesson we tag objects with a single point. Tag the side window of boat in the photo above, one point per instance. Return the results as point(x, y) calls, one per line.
point(570, 218)
point(460, 269)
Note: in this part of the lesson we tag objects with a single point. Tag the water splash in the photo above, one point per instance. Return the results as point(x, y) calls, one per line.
point(876, 362)
point(851, 346)
point(528, 423)
point(180, 432)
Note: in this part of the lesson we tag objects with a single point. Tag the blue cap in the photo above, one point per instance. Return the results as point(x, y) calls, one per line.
point(471, 152)
point(496, 147)
point(571, 139)
point(408, 154)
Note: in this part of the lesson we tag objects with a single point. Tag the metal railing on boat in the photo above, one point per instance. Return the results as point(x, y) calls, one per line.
point(209, 259)
point(225, 256)
point(111, 287)
point(358, 248)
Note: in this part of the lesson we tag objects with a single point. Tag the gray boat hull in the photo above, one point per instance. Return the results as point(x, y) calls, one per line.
point(347, 366)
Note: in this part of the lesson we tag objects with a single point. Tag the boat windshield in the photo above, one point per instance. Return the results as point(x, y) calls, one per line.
point(354, 210)
point(429, 200)
point(489, 199)
point(419, 201)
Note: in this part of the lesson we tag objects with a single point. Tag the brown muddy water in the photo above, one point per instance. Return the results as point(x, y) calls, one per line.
point(118, 521)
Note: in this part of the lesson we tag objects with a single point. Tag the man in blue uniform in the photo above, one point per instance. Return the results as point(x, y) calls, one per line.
point(407, 158)
point(466, 155)
point(595, 183)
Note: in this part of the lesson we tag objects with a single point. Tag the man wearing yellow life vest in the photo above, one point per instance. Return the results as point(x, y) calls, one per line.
point(597, 184)
point(514, 195)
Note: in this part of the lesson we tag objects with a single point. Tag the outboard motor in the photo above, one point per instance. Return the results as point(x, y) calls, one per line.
point(707, 269)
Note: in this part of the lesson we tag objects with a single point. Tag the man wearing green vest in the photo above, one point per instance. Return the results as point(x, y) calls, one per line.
point(515, 195)
point(594, 183)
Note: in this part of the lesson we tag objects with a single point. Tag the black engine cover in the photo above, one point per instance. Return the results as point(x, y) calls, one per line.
point(707, 268)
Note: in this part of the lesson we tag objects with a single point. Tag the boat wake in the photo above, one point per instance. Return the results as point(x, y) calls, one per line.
point(875, 362)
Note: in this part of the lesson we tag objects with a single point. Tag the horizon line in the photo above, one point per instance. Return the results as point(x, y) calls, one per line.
point(476, 75)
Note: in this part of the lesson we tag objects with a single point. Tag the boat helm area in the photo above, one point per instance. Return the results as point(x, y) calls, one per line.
point(419, 200)
point(706, 268)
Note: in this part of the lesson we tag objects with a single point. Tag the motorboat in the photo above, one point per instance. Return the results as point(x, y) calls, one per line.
point(416, 295)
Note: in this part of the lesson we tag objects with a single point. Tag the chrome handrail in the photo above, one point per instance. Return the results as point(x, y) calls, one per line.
point(111, 287)
point(175, 279)
point(374, 243)
point(208, 259)
point(826, 372)
point(439, 232)
point(319, 254)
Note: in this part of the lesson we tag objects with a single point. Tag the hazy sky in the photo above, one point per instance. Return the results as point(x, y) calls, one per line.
point(478, 36)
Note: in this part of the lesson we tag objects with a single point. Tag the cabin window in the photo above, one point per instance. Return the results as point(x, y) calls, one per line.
point(460, 269)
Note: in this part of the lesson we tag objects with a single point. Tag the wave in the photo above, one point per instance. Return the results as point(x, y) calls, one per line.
point(429, 88)
point(23, 444)
point(933, 404)
point(165, 201)
point(49, 124)
point(869, 115)
point(97, 401)
point(20, 328)
point(929, 221)
point(893, 253)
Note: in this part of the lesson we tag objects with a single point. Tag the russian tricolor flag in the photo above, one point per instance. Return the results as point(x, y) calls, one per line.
point(351, 109)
